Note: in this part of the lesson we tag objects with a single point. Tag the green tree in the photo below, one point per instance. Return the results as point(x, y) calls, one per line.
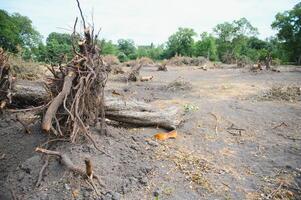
point(127, 47)
point(181, 42)
point(151, 51)
point(288, 25)
point(232, 38)
point(108, 48)
point(58, 45)
point(206, 47)
point(17, 31)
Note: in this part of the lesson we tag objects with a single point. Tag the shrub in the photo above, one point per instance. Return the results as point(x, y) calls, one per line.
point(122, 57)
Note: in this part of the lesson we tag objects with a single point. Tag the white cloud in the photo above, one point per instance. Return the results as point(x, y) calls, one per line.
point(148, 21)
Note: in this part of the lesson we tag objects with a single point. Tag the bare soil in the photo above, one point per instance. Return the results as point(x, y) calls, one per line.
point(232, 144)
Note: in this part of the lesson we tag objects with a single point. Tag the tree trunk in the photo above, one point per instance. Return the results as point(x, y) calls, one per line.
point(299, 60)
point(30, 93)
point(268, 61)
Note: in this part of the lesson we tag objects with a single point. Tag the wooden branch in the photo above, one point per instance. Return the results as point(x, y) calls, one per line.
point(146, 78)
point(65, 160)
point(81, 13)
point(57, 101)
point(42, 171)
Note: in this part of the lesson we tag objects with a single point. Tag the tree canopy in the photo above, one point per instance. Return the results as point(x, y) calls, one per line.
point(181, 42)
point(229, 42)
point(16, 31)
point(288, 25)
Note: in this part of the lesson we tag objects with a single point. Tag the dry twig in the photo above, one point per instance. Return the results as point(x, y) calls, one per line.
point(42, 171)
point(216, 121)
point(279, 125)
point(65, 160)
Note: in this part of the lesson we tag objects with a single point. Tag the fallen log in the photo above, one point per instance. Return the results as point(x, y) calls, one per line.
point(116, 108)
point(29, 93)
point(142, 114)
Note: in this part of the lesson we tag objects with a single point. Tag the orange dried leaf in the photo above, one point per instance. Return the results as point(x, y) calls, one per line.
point(165, 136)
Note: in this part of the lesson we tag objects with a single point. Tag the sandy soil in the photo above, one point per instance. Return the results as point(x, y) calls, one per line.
point(231, 145)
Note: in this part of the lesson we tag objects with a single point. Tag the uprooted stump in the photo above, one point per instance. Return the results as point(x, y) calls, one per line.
point(5, 80)
point(78, 103)
point(161, 67)
point(134, 74)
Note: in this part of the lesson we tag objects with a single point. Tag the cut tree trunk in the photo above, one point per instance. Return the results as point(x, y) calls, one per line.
point(29, 93)
point(142, 114)
point(117, 109)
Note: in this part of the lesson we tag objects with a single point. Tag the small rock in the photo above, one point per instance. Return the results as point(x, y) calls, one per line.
point(3, 124)
point(156, 193)
point(85, 193)
point(67, 187)
point(116, 196)
point(134, 138)
point(134, 147)
point(146, 169)
point(152, 143)
point(143, 181)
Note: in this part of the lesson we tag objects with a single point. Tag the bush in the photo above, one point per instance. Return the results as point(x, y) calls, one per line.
point(122, 57)
point(276, 62)
point(243, 61)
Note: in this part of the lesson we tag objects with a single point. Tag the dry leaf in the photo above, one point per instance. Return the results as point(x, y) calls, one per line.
point(165, 136)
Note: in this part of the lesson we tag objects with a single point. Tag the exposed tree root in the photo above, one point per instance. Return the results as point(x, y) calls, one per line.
point(5, 80)
point(65, 160)
point(41, 173)
point(78, 103)
point(57, 101)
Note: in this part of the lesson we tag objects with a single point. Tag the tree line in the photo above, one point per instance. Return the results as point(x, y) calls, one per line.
point(228, 42)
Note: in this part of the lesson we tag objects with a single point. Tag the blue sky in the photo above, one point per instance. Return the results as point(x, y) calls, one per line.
point(147, 21)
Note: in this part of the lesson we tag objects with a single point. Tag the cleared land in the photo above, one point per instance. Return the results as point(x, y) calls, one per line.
point(237, 141)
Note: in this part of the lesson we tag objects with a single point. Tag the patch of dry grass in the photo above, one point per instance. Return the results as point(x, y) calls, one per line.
point(281, 186)
point(179, 84)
point(111, 59)
point(282, 93)
point(192, 166)
point(26, 69)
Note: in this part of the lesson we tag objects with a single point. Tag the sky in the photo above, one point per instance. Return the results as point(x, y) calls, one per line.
point(147, 21)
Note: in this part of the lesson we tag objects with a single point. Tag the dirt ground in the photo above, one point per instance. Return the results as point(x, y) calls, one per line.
point(232, 144)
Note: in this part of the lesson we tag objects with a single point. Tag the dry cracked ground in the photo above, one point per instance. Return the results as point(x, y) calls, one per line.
point(240, 139)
